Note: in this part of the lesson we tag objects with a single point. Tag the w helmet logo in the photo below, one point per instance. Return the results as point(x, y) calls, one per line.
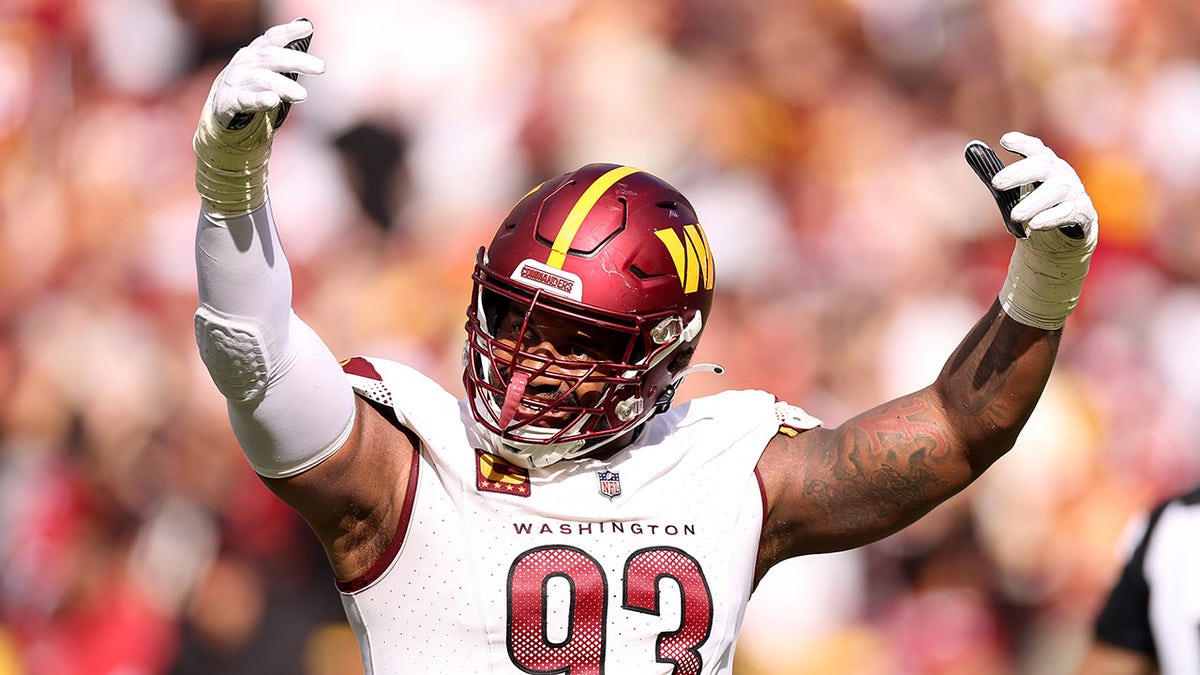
point(693, 259)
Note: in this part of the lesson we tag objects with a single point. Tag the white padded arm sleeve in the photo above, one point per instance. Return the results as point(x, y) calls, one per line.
point(290, 405)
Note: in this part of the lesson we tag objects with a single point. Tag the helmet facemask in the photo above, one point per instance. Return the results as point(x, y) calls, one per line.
point(551, 380)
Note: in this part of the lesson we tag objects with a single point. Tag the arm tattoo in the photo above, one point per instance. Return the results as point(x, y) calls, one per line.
point(893, 466)
point(889, 466)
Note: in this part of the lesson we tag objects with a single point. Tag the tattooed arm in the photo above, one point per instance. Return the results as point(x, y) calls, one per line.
point(833, 489)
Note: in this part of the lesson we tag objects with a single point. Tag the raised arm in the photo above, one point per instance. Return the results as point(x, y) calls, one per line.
point(291, 407)
point(832, 489)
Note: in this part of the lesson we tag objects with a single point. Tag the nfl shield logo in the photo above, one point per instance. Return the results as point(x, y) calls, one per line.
point(610, 483)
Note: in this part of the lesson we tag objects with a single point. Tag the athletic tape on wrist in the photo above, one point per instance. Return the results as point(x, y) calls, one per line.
point(231, 165)
point(1045, 278)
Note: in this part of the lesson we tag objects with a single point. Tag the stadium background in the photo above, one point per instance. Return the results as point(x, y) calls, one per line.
point(820, 142)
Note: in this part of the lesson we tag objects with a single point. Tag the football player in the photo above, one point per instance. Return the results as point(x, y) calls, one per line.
point(563, 516)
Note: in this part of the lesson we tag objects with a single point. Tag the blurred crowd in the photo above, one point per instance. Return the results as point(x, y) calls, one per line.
point(820, 142)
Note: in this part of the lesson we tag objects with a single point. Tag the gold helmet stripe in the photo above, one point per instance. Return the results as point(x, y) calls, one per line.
point(574, 220)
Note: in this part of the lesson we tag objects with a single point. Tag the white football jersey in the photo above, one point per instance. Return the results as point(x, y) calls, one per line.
point(641, 563)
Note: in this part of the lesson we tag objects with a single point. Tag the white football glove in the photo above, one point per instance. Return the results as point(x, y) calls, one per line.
point(1060, 227)
point(255, 88)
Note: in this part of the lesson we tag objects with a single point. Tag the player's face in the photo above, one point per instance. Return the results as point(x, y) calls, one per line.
point(562, 350)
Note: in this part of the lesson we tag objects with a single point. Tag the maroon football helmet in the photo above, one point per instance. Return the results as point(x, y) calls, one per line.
point(607, 252)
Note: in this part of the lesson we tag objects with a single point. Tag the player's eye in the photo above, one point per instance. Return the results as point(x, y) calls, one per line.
point(510, 326)
point(580, 351)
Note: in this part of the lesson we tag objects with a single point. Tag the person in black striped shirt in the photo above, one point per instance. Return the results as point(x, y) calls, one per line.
point(1150, 622)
